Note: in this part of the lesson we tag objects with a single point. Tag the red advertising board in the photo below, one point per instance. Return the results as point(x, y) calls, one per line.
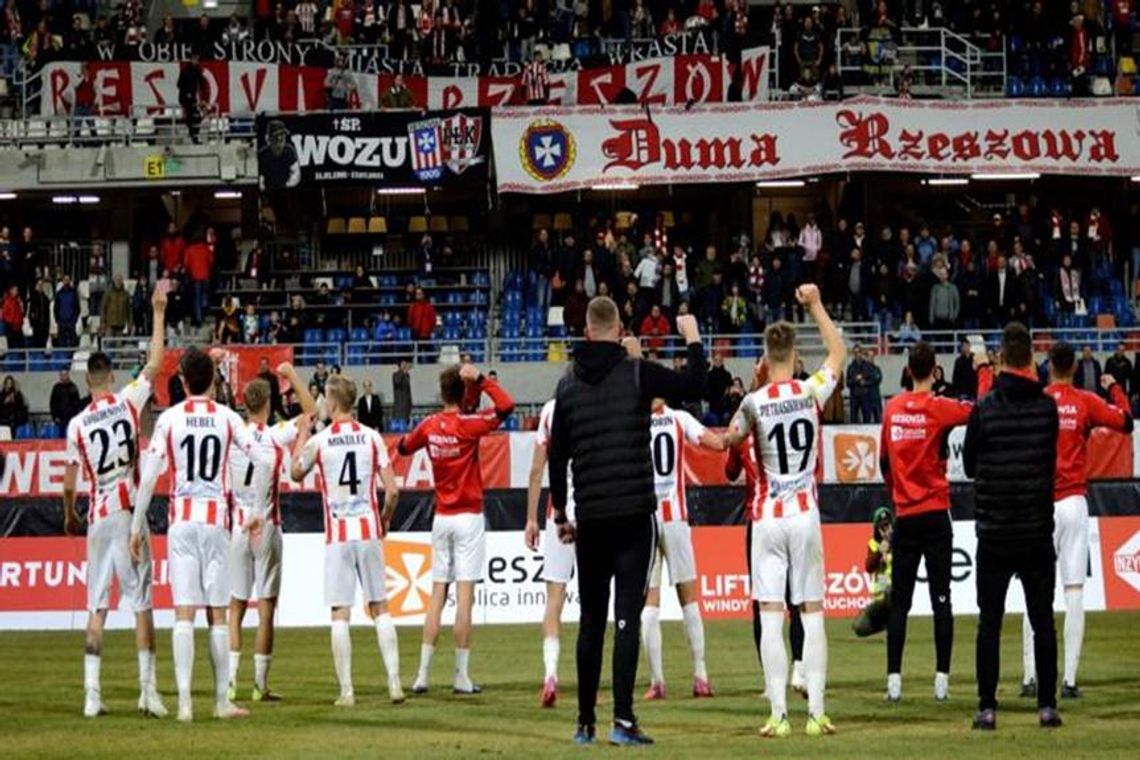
point(1120, 557)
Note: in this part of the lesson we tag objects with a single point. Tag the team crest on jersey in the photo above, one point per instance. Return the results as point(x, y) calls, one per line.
point(547, 150)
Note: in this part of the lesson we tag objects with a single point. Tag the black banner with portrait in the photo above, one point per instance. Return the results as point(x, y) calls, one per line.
point(393, 149)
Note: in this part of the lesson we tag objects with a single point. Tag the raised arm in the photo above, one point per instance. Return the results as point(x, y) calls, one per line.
point(1113, 414)
point(808, 296)
point(304, 398)
point(157, 337)
point(304, 453)
point(675, 387)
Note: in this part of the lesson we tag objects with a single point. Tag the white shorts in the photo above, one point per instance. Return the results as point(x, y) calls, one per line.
point(1071, 539)
point(352, 562)
point(255, 571)
point(199, 556)
point(557, 557)
point(457, 547)
point(109, 557)
point(675, 547)
point(788, 549)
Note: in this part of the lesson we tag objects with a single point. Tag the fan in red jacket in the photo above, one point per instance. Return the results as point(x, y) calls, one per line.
point(421, 316)
point(913, 453)
point(1079, 412)
point(452, 440)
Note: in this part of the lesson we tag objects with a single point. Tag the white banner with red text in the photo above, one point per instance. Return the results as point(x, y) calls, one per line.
point(42, 579)
point(244, 89)
point(555, 150)
point(850, 456)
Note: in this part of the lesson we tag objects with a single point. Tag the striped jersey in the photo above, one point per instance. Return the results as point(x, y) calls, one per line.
point(103, 440)
point(275, 441)
point(196, 440)
point(669, 430)
point(349, 458)
point(784, 419)
point(542, 438)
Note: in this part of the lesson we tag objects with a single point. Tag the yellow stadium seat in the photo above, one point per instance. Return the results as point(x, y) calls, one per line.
point(541, 222)
point(623, 220)
point(357, 225)
point(563, 222)
point(459, 224)
point(417, 224)
point(377, 225)
point(556, 352)
point(667, 219)
point(437, 223)
point(336, 225)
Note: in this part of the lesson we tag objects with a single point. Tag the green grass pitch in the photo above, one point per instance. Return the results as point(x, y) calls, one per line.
point(41, 701)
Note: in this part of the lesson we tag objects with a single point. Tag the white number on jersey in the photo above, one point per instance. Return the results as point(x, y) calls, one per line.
point(669, 429)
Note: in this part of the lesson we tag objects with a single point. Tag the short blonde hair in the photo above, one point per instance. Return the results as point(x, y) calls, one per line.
point(602, 314)
point(256, 395)
point(779, 342)
point(342, 391)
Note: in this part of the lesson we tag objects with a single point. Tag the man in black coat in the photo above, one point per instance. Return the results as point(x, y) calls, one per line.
point(1010, 452)
point(64, 400)
point(369, 410)
point(965, 377)
point(1002, 295)
point(601, 423)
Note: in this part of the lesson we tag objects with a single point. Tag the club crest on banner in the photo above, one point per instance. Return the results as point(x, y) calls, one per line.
point(461, 135)
point(427, 149)
point(547, 150)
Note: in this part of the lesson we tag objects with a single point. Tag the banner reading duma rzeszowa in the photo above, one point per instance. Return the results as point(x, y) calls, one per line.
point(554, 150)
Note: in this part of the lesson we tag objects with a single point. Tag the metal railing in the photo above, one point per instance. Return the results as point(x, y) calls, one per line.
point(937, 60)
point(164, 127)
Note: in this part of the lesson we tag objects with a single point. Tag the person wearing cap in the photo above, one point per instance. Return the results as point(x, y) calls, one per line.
point(873, 618)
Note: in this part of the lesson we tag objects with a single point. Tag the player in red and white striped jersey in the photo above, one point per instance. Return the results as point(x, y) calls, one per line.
point(255, 566)
point(557, 557)
point(458, 544)
point(353, 463)
point(670, 430)
point(1078, 412)
point(103, 440)
point(195, 441)
point(783, 418)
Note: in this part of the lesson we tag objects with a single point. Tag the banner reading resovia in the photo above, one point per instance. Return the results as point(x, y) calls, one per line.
point(405, 149)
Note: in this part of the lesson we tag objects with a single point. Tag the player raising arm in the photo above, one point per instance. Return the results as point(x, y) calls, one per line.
point(353, 462)
point(195, 441)
point(103, 440)
point(783, 417)
point(255, 566)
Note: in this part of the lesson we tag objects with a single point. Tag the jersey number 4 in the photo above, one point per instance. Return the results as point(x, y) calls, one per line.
point(348, 473)
point(798, 437)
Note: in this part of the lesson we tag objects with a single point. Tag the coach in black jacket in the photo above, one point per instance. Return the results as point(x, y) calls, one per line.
point(1010, 450)
point(601, 422)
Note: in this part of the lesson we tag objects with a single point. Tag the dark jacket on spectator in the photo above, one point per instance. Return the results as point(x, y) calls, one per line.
point(1121, 369)
point(370, 412)
point(67, 306)
point(1002, 309)
point(1010, 451)
point(401, 395)
point(965, 377)
point(64, 403)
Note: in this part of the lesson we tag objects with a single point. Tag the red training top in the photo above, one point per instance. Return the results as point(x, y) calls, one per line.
point(911, 449)
point(452, 440)
point(743, 457)
point(1079, 412)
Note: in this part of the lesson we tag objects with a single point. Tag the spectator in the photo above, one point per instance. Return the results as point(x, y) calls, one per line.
point(535, 81)
point(668, 294)
point(370, 408)
point(173, 250)
point(276, 402)
point(340, 87)
point(944, 301)
point(1119, 367)
point(709, 304)
point(1067, 286)
point(96, 276)
point(541, 263)
point(64, 402)
point(116, 312)
point(401, 27)
point(425, 257)
point(1001, 294)
point(859, 281)
point(590, 274)
point(777, 286)
point(421, 316)
point(167, 34)
point(864, 380)
point(734, 310)
point(965, 377)
point(176, 306)
point(83, 107)
point(811, 241)
point(141, 311)
point(39, 313)
point(175, 390)
point(191, 84)
point(799, 372)
point(199, 266)
point(235, 32)
point(574, 313)
point(656, 328)
point(908, 330)
point(734, 396)
point(320, 376)
point(809, 53)
point(969, 284)
point(13, 405)
point(402, 392)
point(398, 95)
point(307, 12)
point(718, 384)
point(12, 315)
point(1088, 372)
point(707, 268)
point(250, 325)
point(940, 387)
point(648, 271)
point(66, 308)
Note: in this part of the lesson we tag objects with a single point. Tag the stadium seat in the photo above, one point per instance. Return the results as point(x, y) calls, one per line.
point(359, 334)
point(1037, 87)
point(336, 226)
point(377, 225)
point(357, 225)
point(623, 220)
point(459, 223)
point(540, 222)
point(667, 220)
point(417, 224)
point(336, 335)
point(437, 224)
point(50, 431)
point(355, 355)
point(25, 432)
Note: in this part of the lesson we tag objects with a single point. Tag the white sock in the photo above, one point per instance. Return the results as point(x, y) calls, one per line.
point(91, 665)
point(651, 640)
point(426, 651)
point(815, 660)
point(219, 655)
point(797, 672)
point(775, 659)
point(695, 631)
point(462, 657)
point(146, 669)
point(183, 639)
point(389, 645)
point(1074, 632)
point(550, 650)
point(235, 665)
point(1028, 659)
point(261, 663)
point(342, 655)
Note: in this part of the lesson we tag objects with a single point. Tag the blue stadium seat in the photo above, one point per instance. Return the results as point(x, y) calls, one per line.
point(1037, 87)
point(1059, 87)
point(359, 334)
point(40, 362)
point(480, 297)
point(1014, 87)
point(534, 330)
point(336, 335)
point(25, 433)
point(557, 331)
point(50, 430)
point(356, 355)
point(509, 350)
point(398, 426)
